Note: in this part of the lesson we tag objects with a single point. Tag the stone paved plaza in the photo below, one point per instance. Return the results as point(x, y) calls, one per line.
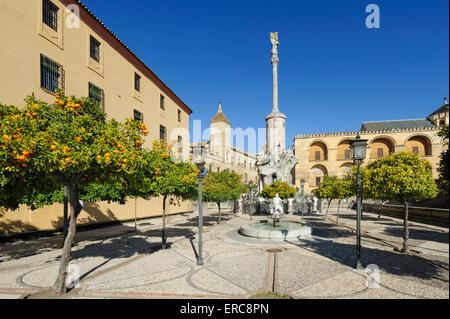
point(118, 262)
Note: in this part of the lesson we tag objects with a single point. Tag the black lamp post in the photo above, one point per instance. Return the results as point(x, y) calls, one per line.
point(251, 200)
point(199, 161)
point(358, 150)
point(302, 184)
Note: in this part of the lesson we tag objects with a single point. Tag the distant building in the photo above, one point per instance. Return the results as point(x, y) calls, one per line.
point(329, 153)
point(222, 155)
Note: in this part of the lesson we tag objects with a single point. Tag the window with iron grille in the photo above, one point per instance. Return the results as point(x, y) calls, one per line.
point(52, 75)
point(95, 49)
point(137, 82)
point(161, 102)
point(162, 133)
point(318, 181)
point(138, 116)
point(97, 94)
point(415, 149)
point(347, 154)
point(317, 156)
point(179, 116)
point(50, 14)
point(380, 153)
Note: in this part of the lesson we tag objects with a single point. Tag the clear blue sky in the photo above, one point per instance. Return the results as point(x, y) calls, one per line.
point(334, 73)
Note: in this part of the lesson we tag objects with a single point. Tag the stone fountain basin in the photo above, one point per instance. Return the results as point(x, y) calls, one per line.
point(286, 229)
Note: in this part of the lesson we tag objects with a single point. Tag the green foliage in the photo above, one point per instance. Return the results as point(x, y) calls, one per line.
point(327, 188)
point(400, 176)
point(46, 146)
point(443, 165)
point(176, 181)
point(283, 189)
point(222, 186)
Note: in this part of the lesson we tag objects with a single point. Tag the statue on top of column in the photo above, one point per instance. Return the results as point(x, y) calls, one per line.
point(275, 43)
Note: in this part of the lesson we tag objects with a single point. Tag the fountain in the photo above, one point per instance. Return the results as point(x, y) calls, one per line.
point(276, 229)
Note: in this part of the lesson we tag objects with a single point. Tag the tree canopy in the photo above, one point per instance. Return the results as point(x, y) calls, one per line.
point(445, 159)
point(400, 176)
point(283, 189)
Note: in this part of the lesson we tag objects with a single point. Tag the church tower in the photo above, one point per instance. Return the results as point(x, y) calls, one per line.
point(220, 135)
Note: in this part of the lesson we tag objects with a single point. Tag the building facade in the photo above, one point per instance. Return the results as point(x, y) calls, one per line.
point(222, 155)
point(329, 153)
point(59, 44)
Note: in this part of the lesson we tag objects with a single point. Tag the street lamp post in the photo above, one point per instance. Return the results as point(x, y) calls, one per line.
point(302, 184)
point(251, 200)
point(358, 150)
point(199, 161)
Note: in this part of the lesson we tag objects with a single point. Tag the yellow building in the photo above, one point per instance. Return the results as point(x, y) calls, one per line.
point(47, 45)
point(329, 153)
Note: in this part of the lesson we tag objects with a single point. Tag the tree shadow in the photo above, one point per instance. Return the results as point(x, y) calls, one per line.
point(325, 230)
point(365, 216)
point(390, 262)
point(210, 220)
point(419, 234)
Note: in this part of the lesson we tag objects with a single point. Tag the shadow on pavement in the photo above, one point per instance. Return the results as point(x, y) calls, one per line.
point(390, 262)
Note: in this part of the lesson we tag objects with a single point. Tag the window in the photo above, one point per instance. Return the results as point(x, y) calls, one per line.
point(52, 75)
point(50, 14)
point(380, 153)
point(138, 116)
point(96, 94)
point(318, 181)
point(415, 149)
point(95, 49)
point(162, 133)
point(442, 123)
point(137, 82)
point(161, 102)
point(317, 156)
point(218, 169)
point(179, 116)
point(347, 154)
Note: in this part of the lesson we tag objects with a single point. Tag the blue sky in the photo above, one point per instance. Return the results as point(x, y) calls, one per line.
point(334, 73)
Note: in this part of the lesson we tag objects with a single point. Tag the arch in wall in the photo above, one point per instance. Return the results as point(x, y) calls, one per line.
point(343, 150)
point(318, 151)
point(419, 143)
point(316, 174)
point(381, 146)
point(345, 169)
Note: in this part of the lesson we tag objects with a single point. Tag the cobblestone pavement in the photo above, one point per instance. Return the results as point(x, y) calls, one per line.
point(118, 262)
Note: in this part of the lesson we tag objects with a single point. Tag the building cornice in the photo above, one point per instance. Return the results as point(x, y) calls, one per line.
point(102, 30)
point(354, 133)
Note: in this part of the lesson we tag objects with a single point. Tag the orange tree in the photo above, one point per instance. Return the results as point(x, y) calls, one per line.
point(174, 181)
point(283, 189)
point(222, 186)
point(44, 147)
point(401, 177)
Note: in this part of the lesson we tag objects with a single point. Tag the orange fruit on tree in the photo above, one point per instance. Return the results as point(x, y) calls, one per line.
point(53, 147)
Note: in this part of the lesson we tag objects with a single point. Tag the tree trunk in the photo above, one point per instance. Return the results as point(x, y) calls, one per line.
point(220, 213)
point(339, 205)
point(379, 209)
point(163, 231)
point(405, 248)
point(75, 209)
point(329, 203)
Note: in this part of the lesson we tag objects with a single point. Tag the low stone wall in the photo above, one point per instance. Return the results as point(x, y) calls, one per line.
point(431, 216)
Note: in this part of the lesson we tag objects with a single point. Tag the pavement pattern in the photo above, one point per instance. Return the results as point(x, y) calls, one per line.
point(120, 262)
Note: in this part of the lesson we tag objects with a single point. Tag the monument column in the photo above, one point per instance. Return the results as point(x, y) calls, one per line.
point(275, 121)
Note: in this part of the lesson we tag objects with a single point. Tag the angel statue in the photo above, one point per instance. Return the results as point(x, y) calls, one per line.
point(275, 42)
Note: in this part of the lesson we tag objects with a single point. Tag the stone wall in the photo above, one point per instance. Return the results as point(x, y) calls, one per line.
point(431, 216)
